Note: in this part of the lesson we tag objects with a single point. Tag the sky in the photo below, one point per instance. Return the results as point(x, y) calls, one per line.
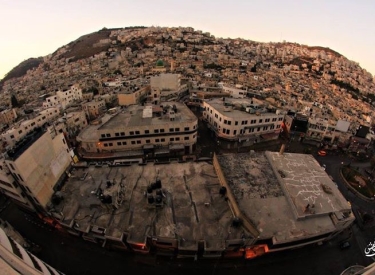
point(39, 27)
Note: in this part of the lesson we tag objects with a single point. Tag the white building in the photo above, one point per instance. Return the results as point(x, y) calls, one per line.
point(20, 130)
point(64, 98)
point(235, 92)
point(242, 119)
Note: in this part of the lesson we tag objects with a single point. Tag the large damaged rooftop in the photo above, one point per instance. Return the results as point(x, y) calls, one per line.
point(180, 201)
point(287, 196)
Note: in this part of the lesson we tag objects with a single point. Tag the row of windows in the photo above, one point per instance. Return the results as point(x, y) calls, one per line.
point(251, 130)
point(147, 141)
point(156, 131)
point(245, 122)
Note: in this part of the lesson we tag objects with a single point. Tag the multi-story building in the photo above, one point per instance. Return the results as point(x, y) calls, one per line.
point(38, 165)
point(16, 259)
point(233, 91)
point(129, 96)
point(8, 116)
point(21, 129)
point(164, 87)
point(10, 187)
point(94, 108)
point(330, 131)
point(242, 119)
point(65, 97)
point(170, 128)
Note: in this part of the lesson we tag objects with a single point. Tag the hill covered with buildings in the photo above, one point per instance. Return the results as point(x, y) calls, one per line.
point(198, 55)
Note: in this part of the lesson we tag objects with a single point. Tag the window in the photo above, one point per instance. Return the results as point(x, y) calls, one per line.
point(162, 140)
point(133, 141)
point(148, 141)
point(265, 128)
point(225, 121)
point(234, 132)
point(274, 119)
point(147, 131)
point(110, 144)
point(253, 121)
point(11, 166)
point(156, 131)
point(267, 120)
point(171, 139)
point(260, 120)
point(118, 143)
point(161, 130)
point(177, 129)
point(117, 134)
point(122, 133)
point(236, 123)
point(124, 143)
point(171, 129)
point(105, 145)
point(280, 118)
point(224, 130)
point(138, 142)
point(157, 140)
point(228, 131)
point(131, 133)
point(186, 138)
point(229, 122)
point(177, 139)
point(187, 129)
point(108, 135)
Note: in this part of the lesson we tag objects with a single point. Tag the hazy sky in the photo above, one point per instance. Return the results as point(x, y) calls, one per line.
point(38, 27)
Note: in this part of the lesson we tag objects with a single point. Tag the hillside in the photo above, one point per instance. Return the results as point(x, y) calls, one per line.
point(22, 68)
point(193, 52)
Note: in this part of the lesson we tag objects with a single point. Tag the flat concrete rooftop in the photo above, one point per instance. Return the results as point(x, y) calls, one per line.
point(191, 210)
point(133, 116)
point(287, 196)
point(229, 111)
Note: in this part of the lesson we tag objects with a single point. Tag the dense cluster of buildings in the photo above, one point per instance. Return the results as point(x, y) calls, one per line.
point(109, 157)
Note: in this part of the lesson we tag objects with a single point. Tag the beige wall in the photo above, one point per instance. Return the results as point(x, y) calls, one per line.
point(41, 165)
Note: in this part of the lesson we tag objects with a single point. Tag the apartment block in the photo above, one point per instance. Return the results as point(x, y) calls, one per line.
point(242, 119)
point(37, 165)
point(170, 128)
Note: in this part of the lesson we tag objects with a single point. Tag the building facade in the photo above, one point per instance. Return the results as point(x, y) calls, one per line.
point(242, 119)
point(150, 130)
point(38, 167)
